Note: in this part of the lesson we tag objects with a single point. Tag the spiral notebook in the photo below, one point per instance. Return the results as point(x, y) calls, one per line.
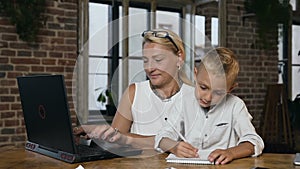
point(172, 158)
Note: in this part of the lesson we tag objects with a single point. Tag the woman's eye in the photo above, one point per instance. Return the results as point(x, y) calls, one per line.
point(145, 60)
point(220, 93)
point(158, 60)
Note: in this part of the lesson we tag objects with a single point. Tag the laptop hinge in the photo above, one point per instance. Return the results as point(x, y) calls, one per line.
point(48, 149)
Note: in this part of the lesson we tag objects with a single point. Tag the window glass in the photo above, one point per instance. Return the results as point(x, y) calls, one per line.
point(134, 31)
point(293, 3)
point(97, 81)
point(295, 60)
point(214, 31)
point(136, 73)
point(136, 69)
point(295, 81)
point(281, 62)
point(199, 36)
point(296, 44)
point(98, 32)
point(168, 20)
point(200, 30)
point(98, 49)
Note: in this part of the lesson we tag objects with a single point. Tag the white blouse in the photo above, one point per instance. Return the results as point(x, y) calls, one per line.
point(149, 111)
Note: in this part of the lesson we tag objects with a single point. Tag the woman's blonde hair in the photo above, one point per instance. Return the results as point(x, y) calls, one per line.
point(168, 43)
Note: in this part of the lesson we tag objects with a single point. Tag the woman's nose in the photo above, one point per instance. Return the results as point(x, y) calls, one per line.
point(150, 65)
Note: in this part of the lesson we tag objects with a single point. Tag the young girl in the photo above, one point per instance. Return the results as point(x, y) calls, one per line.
point(214, 120)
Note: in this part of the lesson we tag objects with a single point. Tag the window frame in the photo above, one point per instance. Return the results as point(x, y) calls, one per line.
point(114, 56)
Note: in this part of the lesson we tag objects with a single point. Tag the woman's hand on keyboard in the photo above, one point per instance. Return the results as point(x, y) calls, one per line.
point(106, 133)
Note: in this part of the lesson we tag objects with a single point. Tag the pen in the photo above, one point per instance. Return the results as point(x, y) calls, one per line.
point(179, 134)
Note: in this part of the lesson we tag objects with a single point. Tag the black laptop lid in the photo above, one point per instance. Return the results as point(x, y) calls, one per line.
point(46, 111)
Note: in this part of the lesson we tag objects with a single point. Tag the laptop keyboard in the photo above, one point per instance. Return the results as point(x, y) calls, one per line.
point(108, 150)
point(93, 150)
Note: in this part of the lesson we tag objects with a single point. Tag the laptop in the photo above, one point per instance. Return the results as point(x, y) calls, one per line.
point(48, 123)
point(297, 159)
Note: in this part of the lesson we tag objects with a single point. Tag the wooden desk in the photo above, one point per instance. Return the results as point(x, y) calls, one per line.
point(11, 157)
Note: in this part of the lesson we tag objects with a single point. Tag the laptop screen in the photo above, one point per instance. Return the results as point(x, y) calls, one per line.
point(46, 111)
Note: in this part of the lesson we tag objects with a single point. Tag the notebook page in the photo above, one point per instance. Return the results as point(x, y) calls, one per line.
point(203, 158)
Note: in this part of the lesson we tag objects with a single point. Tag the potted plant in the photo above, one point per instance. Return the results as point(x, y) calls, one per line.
point(106, 98)
point(27, 16)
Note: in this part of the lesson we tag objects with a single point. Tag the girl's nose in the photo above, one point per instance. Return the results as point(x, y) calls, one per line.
point(207, 97)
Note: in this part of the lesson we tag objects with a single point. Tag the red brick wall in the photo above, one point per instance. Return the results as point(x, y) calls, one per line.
point(258, 67)
point(54, 53)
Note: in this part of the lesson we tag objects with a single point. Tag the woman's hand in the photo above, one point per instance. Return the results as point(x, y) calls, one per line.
point(79, 133)
point(103, 132)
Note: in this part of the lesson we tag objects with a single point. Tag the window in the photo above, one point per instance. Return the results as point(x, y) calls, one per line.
point(98, 51)
point(283, 65)
point(199, 36)
point(295, 61)
point(168, 20)
point(214, 31)
point(101, 36)
point(136, 70)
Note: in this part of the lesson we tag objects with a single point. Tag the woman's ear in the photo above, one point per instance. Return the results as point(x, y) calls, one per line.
point(195, 74)
point(195, 71)
point(180, 59)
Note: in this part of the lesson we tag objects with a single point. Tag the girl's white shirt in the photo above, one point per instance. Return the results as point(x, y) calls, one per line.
point(225, 125)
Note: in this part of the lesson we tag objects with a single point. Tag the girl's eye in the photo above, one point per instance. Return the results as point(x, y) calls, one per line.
point(202, 87)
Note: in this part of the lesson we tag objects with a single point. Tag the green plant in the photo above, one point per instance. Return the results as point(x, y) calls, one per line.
point(26, 15)
point(269, 14)
point(105, 96)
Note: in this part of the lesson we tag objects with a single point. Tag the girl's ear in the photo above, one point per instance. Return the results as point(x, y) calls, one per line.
point(233, 87)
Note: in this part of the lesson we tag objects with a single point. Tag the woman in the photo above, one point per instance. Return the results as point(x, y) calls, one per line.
point(145, 105)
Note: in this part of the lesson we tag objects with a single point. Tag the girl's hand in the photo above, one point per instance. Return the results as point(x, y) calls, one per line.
point(184, 149)
point(220, 156)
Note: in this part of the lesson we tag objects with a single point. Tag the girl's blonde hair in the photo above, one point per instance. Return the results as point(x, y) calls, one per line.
point(221, 61)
